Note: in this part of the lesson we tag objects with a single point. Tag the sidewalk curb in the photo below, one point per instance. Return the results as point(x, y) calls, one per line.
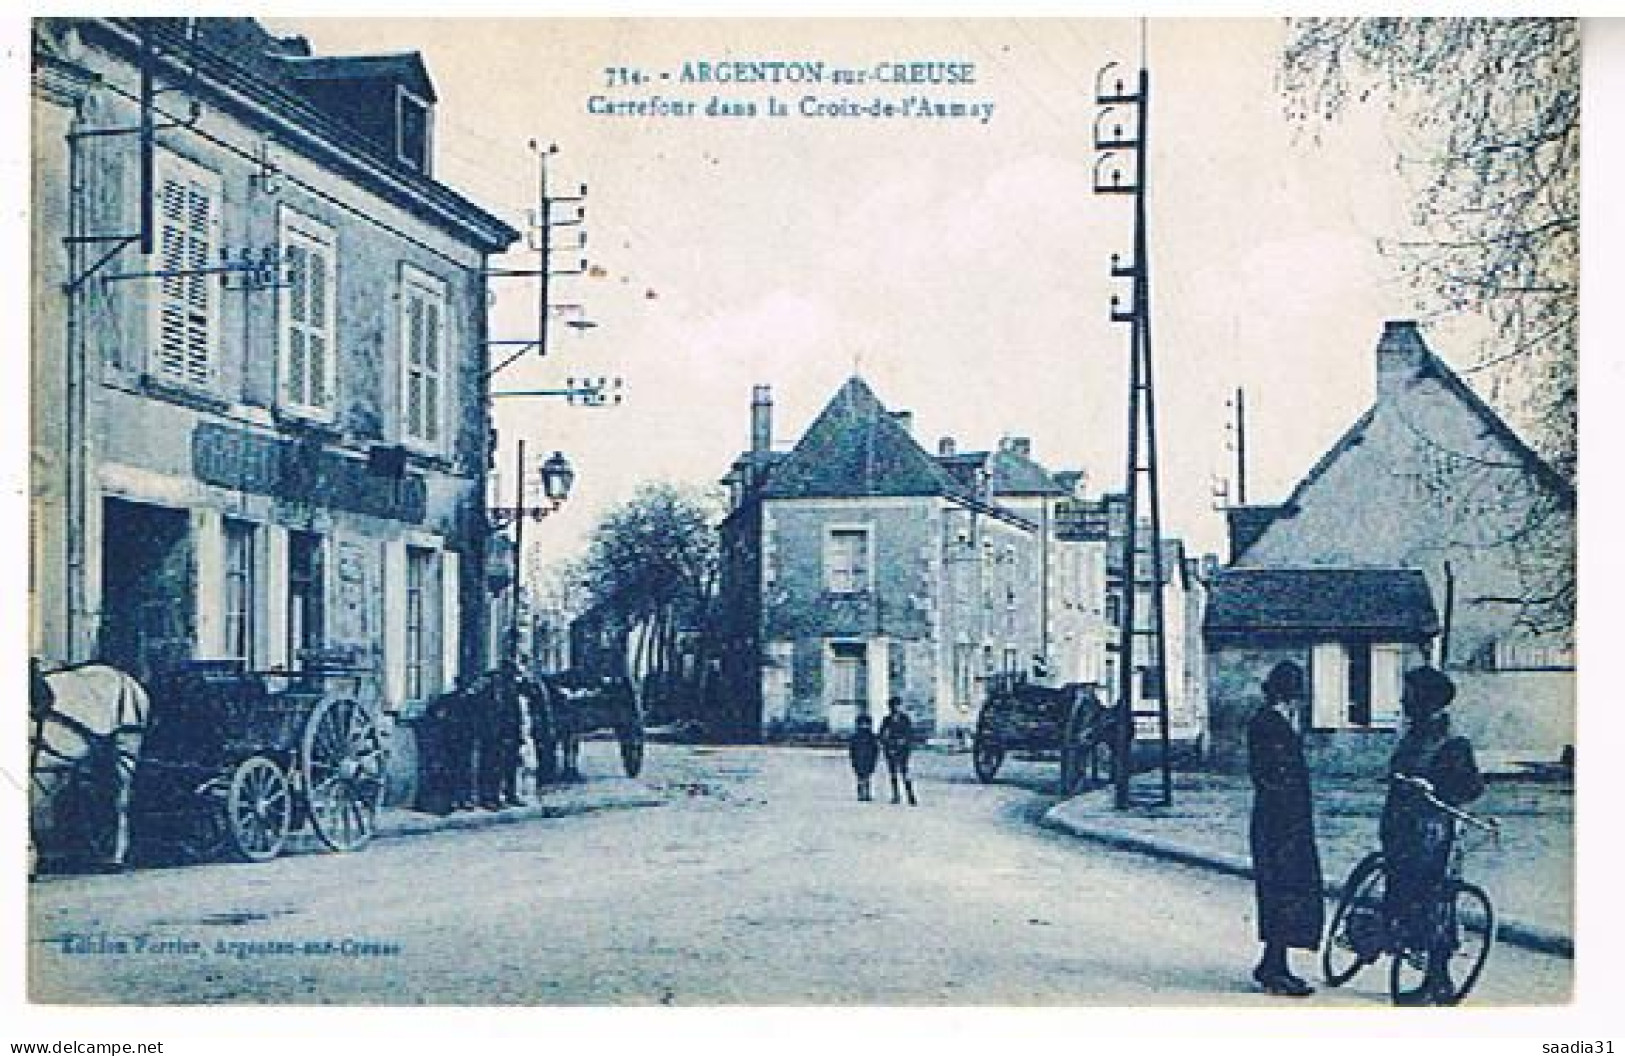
point(415, 823)
point(1513, 932)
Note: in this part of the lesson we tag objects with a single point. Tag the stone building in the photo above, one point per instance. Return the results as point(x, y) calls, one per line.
point(266, 439)
point(1428, 531)
point(857, 566)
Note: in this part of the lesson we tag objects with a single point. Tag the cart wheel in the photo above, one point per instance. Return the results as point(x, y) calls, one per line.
point(259, 807)
point(986, 753)
point(631, 741)
point(344, 773)
point(1080, 747)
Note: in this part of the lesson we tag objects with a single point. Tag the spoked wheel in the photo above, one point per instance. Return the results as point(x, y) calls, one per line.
point(1472, 927)
point(259, 809)
point(631, 742)
point(986, 753)
point(344, 773)
point(1357, 935)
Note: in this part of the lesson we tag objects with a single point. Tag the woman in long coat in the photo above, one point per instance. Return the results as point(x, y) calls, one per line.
point(1286, 863)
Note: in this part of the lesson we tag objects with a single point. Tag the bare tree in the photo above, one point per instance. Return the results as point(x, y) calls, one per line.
point(1494, 108)
point(1493, 154)
point(650, 574)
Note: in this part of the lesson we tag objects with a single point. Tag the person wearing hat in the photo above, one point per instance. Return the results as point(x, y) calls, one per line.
point(1417, 837)
point(1286, 862)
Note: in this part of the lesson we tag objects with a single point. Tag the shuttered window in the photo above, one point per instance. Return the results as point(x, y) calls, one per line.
point(186, 308)
point(423, 356)
point(308, 352)
point(846, 560)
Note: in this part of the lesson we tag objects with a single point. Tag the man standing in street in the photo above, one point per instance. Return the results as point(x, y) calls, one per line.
point(1417, 836)
point(896, 742)
point(1286, 863)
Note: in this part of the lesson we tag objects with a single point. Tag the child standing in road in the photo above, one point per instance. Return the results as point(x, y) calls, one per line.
point(864, 750)
point(897, 740)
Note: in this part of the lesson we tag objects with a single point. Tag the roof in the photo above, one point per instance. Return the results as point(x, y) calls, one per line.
point(1247, 523)
point(1393, 603)
point(1009, 472)
point(1429, 365)
point(405, 67)
point(239, 59)
point(855, 447)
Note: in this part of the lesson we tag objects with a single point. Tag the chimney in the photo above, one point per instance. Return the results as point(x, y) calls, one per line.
point(761, 419)
point(945, 447)
point(904, 419)
point(1018, 445)
point(1400, 356)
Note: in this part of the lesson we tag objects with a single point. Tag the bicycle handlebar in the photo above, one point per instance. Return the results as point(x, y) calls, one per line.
point(1489, 825)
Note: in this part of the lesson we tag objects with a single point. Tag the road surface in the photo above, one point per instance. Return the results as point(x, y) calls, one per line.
point(761, 881)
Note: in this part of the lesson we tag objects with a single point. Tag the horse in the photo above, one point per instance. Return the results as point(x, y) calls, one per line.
point(88, 723)
point(556, 726)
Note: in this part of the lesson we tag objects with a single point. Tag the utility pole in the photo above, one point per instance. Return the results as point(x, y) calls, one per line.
point(1122, 153)
point(1238, 404)
point(550, 214)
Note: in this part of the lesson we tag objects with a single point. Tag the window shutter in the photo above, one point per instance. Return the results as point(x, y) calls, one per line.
point(209, 564)
point(431, 371)
point(394, 623)
point(451, 614)
point(1328, 669)
point(298, 362)
point(320, 323)
point(1387, 681)
point(185, 324)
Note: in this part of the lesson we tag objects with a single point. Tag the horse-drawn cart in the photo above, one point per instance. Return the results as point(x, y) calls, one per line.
point(579, 704)
point(234, 761)
point(1068, 722)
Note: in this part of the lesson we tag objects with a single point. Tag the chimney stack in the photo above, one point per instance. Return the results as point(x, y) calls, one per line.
point(904, 419)
point(946, 447)
point(761, 419)
point(1400, 355)
point(1018, 445)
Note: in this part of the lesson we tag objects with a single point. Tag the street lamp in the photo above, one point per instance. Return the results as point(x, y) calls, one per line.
point(557, 478)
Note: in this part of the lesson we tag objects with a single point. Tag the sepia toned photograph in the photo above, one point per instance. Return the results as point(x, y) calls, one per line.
point(996, 512)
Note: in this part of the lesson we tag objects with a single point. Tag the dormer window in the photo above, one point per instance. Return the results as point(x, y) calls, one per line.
point(412, 130)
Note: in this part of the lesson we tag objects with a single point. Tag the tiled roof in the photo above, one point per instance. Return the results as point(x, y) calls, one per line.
point(1247, 523)
point(1388, 602)
point(855, 447)
point(1010, 473)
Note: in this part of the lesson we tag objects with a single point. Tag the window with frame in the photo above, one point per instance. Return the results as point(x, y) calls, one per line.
point(240, 591)
point(412, 130)
point(307, 350)
point(1355, 685)
point(422, 623)
point(306, 586)
point(846, 560)
point(849, 675)
point(185, 317)
point(423, 356)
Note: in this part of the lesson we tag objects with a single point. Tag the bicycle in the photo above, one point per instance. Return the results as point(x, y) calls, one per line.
point(1361, 931)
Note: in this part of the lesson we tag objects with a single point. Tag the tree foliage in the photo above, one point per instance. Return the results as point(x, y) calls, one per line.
point(1494, 110)
point(649, 577)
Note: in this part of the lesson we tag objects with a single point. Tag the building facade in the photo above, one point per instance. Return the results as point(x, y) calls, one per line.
point(1428, 487)
point(859, 567)
point(265, 440)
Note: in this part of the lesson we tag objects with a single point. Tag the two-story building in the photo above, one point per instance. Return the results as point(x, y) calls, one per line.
point(260, 424)
point(857, 567)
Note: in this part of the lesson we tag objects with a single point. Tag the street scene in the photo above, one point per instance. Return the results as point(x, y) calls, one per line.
point(742, 875)
point(624, 512)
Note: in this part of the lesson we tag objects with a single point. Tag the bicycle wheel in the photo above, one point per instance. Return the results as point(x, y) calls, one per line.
point(1471, 923)
point(1355, 937)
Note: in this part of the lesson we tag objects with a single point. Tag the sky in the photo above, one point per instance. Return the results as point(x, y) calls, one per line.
point(961, 267)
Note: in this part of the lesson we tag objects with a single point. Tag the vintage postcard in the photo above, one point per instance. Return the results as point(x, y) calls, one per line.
point(743, 512)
